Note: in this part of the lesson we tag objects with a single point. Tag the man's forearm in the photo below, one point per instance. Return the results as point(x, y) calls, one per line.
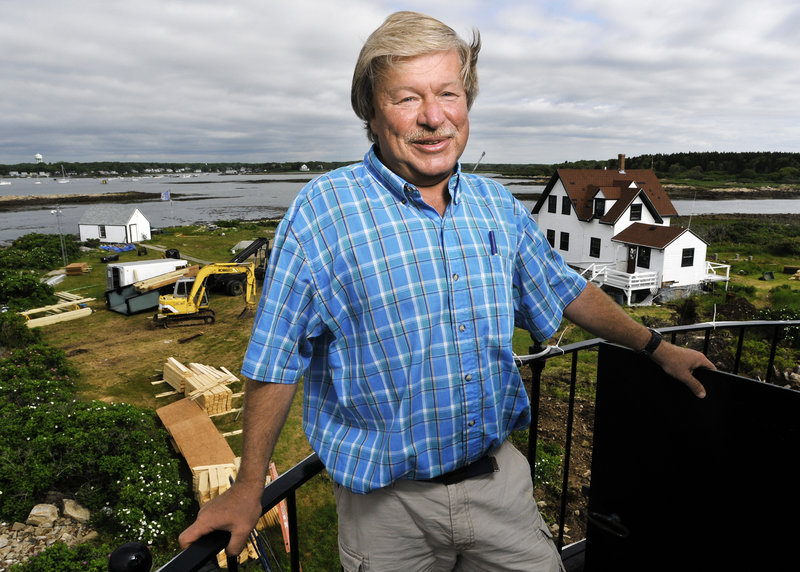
point(265, 411)
point(594, 311)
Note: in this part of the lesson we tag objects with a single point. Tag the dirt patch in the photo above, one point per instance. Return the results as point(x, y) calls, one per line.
point(553, 413)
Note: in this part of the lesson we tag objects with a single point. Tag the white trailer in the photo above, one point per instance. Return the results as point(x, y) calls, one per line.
point(119, 274)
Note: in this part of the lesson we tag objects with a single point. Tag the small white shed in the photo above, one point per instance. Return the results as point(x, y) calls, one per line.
point(114, 223)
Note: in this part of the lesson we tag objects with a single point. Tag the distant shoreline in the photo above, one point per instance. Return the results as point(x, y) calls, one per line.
point(675, 192)
point(16, 202)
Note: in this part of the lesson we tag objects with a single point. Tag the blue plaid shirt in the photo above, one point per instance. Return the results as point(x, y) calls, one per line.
point(401, 320)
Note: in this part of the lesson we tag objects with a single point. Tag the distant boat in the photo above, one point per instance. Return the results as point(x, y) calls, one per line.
point(63, 178)
point(4, 182)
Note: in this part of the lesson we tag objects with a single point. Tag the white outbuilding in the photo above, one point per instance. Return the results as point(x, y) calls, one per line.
point(114, 223)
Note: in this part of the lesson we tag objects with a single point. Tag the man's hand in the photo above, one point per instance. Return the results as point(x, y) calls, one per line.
point(236, 510)
point(680, 363)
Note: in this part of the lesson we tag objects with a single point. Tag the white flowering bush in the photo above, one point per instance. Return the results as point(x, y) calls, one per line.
point(113, 458)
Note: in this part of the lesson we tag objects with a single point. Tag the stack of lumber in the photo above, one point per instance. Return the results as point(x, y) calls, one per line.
point(175, 374)
point(204, 384)
point(69, 308)
point(209, 457)
point(77, 268)
point(210, 481)
point(162, 280)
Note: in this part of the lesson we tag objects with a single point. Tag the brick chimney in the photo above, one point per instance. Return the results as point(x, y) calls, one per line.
point(621, 161)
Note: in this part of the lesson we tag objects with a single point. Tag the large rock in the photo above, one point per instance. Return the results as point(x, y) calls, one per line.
point(42, 515)
point(75, 511)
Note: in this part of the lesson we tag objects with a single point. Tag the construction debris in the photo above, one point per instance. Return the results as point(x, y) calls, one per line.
point(157, 282)
point(77, 268)
point(212, 462)
point(70, 307)
point(204, 384)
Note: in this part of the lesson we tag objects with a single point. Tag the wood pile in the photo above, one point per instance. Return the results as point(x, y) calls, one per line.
point(77, 268)
point(70, 307)
point(211, 460)
point(205, 385)
point(166, 279)
point(211, 481)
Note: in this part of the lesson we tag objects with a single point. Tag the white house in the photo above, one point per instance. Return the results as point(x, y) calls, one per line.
point(114, 223)
point(614, 226)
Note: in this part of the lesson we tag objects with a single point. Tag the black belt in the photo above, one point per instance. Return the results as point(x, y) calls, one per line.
point(485, 465)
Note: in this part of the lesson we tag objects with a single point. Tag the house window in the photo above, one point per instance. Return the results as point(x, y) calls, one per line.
point(551, 237)
point(594, 247)
point(564, 242)
point(599, 207)
point(687, 257)
point(566, 206)
point(102, 231)
point(643, 257)
point(636, 211)
point(552, 203)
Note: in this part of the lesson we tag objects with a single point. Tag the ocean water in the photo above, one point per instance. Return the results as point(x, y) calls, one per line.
point(194, 199)
point(206, 198)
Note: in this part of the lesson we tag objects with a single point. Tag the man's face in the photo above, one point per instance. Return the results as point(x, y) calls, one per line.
point(420, 117)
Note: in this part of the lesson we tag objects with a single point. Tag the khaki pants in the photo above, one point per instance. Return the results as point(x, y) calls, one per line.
point(486, 523)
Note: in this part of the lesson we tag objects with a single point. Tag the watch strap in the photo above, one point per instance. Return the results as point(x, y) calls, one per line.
point(653, 343)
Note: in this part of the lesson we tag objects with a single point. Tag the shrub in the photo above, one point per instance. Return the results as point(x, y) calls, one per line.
point(62, 558)
point(113, 458)
point(14, 332)
point(548, 458)
point(23, 290)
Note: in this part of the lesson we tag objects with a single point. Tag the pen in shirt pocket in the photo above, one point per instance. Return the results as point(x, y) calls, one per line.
point(492, 243)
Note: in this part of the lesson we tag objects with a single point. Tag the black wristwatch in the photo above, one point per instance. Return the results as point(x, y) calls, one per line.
point(655, 341)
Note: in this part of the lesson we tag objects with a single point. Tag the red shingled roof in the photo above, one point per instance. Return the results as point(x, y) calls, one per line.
point(652, 235)
point(582, 185)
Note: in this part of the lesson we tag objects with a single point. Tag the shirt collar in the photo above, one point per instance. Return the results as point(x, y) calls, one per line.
point(397, 185)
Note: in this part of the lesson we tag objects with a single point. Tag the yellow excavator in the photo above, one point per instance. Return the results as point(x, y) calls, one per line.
point(188, 304)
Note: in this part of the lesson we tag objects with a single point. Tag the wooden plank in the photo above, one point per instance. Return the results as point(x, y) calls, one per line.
point(166, 279)
point(54, 319)
point(195, 434)
point(56, 307)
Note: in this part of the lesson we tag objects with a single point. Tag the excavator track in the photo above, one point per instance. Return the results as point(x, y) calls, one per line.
point(200, 318)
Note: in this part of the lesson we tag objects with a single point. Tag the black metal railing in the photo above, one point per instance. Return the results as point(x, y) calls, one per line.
point(284, 487)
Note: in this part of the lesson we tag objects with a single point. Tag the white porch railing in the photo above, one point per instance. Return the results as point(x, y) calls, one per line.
point(596, 271)
point(712, 275)
point(635, 281)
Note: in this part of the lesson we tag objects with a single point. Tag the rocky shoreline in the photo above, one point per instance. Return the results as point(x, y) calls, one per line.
point(16, 202)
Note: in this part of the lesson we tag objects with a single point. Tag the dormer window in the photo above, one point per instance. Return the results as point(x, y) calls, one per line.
point(636, 211)
point(599, 208)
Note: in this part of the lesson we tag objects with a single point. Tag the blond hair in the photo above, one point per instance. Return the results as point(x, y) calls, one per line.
point(407, 35)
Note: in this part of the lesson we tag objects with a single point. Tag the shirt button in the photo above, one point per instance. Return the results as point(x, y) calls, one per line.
point(462, 328)
point(471, 423)
point(468, 377)
point(455, 276)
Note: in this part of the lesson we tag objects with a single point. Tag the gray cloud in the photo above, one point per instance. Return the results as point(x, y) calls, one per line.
point(257, 81)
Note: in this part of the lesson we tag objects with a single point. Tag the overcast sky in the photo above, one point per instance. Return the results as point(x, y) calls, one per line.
point(258, 81)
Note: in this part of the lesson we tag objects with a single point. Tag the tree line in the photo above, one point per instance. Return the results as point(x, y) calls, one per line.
point(756, 166)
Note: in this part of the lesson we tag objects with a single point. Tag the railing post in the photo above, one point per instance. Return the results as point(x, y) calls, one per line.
point(294, 539)
point(738, 357)
point(573, 382)
point(537, 366)
point(775, 334)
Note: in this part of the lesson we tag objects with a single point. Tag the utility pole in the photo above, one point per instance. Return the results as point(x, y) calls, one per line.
point(57, 212)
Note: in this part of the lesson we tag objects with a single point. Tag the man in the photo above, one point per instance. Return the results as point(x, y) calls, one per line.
point(393, 290)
